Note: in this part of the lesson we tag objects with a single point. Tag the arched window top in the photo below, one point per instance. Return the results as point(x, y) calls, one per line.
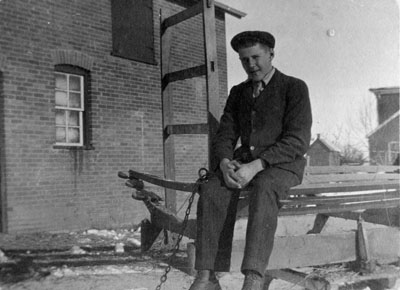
point(73, 58)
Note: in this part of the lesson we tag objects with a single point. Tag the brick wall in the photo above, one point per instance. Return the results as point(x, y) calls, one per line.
point(64, 189)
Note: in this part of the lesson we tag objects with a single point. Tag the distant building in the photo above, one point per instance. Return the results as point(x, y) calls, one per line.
point(321, 153)
point(384, 140)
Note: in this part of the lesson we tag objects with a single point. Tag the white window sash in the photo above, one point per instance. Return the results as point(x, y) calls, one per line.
point(67, 108)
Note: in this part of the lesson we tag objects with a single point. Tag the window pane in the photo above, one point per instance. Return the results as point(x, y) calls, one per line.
point(61, 99)
point(60, 135)
point(60, 117)
point(74, 100)
point(73, 118)
point(74, 83)
point(61, 81)
point(73, 135)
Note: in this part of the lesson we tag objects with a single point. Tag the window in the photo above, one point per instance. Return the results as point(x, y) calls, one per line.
point(71, 106)
point(132, 30)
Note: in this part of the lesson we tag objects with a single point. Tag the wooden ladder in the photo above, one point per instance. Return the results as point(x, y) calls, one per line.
point(209, 69)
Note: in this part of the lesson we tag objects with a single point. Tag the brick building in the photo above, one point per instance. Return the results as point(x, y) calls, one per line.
point(321, 153)
point(383, 141)
point(81, 99)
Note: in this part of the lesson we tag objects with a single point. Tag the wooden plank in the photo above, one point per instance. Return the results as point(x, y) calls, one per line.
point(187, 129)
point(338, 278)
point(212, 81)
point(323, 249)
point(299, 279)
point(242, 208)
point(182, 16)
point(325, 178)
point(3, 195)
point(167, 117)
point(184, 74)
point(326, 209)
point(350, 169)
point(380, 196)
point(383, 216)
point(162, 217)
point(312, 189)
point(169, 184)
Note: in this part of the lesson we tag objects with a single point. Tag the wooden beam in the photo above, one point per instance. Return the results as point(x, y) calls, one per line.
point(319, 223)
point(332, 200)
point(186, 129)
point(181, 16)
point(323, 249)
point(310, 189)
point(184, 74)
point(327, 209)
point(167, 117)
point(167, 183)
point(383, 216)
point(212, 81)
point(3, 195)
point(299, 279)
point(346, 177)
point(161, 217)
point(350, 169)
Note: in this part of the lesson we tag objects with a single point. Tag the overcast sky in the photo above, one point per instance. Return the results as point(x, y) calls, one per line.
point(341, 48)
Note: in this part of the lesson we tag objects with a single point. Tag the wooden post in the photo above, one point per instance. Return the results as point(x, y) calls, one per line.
point(168, 116)
point(210, 48)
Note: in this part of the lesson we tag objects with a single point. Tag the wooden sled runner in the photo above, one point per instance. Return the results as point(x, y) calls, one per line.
point(361, 193)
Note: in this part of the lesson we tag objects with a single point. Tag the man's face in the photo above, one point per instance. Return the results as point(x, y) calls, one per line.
point(256, 61)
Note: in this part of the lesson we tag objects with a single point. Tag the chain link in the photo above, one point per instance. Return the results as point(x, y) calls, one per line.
point(203, 177)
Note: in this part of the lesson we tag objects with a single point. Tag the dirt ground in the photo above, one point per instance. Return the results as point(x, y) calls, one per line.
point(87, 260)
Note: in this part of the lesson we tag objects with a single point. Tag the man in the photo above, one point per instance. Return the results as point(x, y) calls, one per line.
point(271, 115)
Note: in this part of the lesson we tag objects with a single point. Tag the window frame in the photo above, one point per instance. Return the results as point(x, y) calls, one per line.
point(84, 111)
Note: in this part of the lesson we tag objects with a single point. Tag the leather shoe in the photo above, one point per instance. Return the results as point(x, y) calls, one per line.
point(205, 284)
point(252, 281)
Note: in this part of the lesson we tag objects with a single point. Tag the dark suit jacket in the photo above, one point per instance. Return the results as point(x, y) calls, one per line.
point(276, 126)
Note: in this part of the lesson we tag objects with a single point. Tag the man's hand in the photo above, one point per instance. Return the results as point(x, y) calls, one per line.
point(246, 172)
point(228, 169)
point(238, 175)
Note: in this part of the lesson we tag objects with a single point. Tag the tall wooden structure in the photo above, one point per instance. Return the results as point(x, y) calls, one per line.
point(209, 69)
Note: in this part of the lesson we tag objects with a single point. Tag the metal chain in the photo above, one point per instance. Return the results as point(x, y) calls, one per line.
point(203, 173)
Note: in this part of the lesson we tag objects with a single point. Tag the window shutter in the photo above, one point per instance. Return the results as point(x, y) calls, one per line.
point(132, 29)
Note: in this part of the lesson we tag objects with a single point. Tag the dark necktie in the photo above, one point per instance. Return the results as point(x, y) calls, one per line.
point(257, 88)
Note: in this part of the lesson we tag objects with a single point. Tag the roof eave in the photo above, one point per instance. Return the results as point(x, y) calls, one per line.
point(385, 90)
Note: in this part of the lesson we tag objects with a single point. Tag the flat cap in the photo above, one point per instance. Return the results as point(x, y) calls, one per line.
point(246, 37)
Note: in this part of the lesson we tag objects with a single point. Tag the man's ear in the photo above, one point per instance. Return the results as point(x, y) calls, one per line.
point(272, 53)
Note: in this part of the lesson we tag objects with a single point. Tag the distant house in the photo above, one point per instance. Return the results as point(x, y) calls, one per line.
point(384, 140)
point(321, 153)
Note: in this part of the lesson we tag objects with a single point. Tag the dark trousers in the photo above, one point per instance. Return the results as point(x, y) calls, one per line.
point(216, 216)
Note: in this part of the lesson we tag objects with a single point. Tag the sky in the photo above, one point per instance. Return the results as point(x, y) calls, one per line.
point(340, 48)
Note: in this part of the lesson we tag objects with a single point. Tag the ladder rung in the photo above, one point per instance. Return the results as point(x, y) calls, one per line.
point(184, 74)
point(186, 129)
point(182, 16)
